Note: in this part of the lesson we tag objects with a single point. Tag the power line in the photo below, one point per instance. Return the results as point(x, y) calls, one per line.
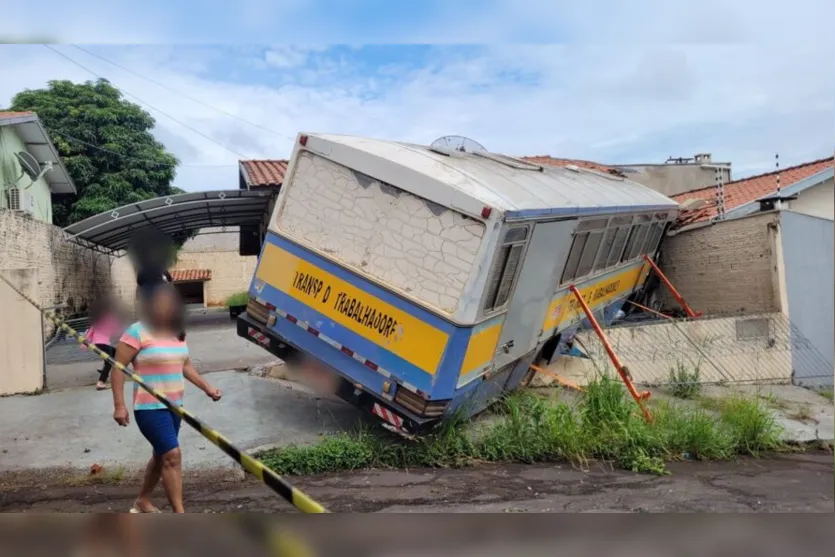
point(155, 82)
point(198, 132)
point(150, 161)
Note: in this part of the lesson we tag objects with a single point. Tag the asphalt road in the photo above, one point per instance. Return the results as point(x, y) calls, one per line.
point(212, 339)
point(789, 483)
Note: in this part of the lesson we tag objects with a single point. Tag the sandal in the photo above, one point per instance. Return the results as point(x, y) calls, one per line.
point(101, 386)
point(136, 510)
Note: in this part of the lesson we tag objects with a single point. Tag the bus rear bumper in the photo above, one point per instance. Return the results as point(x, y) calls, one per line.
point(394, 416)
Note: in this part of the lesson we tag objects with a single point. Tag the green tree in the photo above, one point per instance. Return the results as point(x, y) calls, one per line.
point(106, 144)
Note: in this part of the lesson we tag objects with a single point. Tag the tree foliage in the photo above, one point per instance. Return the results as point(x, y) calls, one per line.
point(106, 144)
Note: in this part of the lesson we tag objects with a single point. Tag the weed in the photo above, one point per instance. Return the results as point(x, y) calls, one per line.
point(106, 476)
point(238, 299)
point(773, 401)
point(827, 394)
point(752, 426)
point(604, 425)
point(802, 414)
point(685, 383)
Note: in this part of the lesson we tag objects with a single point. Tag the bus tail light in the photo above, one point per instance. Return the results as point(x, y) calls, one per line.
point(419, 405)
point(257, 311)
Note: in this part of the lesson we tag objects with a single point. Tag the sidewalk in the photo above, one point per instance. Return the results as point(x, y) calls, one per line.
point(75, 429)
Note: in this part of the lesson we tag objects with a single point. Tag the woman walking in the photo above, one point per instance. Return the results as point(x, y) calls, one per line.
point(157, 349)
point(105, 325)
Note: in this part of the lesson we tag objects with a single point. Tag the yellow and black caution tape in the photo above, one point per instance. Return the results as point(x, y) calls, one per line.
point(252, 465)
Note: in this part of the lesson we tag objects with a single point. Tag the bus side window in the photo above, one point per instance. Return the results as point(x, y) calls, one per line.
point(617, 246)
point(573, 261)
point(505, 268)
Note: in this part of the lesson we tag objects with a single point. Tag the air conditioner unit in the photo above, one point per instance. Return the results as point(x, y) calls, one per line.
point(21, 200)
point(15, 201)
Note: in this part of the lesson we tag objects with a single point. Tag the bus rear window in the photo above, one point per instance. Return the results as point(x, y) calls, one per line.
point(416, 246)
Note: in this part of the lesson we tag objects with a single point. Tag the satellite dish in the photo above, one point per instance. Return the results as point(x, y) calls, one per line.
point(29, 165)
point(457, 143)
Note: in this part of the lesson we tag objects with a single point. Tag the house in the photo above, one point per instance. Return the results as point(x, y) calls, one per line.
point(31, 171)
point(674, 176)
point(678, 174)
point(769, 254)
point(220, 262)
point(807, 188)
point(259, 175)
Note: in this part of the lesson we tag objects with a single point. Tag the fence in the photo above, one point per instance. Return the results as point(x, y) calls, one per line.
point(764, 348)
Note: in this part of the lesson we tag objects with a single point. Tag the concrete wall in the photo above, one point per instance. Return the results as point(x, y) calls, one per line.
point(673, 179)
point(817, 201)
point(10, 143)
point(725, 268)
point(809, 254)
point(21, 335)
point(67, 273)
point(714, 346)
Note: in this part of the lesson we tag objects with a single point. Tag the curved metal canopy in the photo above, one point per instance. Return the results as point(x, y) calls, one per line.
point(111, 232)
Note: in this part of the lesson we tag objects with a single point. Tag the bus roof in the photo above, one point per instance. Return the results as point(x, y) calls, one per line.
point(467, 181)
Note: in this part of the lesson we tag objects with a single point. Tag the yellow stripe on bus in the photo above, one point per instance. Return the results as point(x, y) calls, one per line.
point(482, 346)
point(395, 330)
point(565, 309)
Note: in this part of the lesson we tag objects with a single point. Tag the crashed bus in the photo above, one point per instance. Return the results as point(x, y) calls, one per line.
point(427, 280)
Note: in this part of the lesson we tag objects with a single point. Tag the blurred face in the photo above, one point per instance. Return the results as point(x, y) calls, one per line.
point(164, 307)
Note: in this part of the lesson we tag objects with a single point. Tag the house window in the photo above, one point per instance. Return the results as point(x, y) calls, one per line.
point(505, 269)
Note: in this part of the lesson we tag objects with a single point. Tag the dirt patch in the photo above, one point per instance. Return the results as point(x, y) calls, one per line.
point(793, 483)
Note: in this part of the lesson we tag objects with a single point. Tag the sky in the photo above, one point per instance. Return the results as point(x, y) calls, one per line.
point(612, 82)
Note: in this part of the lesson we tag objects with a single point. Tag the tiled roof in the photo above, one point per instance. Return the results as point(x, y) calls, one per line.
point(7, 114)
point(740, 192)
point(264, 173)
point(552, 161)
point(190, 275)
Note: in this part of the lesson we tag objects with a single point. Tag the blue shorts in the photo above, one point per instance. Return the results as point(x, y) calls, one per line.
point(160, 427)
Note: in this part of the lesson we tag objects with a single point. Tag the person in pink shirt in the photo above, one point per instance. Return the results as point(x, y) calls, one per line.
point(105, 325)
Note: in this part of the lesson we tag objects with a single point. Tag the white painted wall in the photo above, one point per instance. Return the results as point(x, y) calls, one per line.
point(817, 201)
point(417, 247)
point(21, 335)
point(10, 175)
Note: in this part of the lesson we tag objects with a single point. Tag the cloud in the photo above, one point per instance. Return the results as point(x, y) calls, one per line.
point(285, 57)
point(608, 102)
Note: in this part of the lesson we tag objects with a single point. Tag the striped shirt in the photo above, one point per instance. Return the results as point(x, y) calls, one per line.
point(160, 364)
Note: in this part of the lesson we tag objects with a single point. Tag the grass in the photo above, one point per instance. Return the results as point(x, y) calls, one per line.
point(604, 425)
point(238, 299)
point(685, 383)
point(827, 394)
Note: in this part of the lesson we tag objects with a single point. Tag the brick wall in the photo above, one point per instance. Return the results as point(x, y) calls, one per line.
point(727, 267)
point(67, 273)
